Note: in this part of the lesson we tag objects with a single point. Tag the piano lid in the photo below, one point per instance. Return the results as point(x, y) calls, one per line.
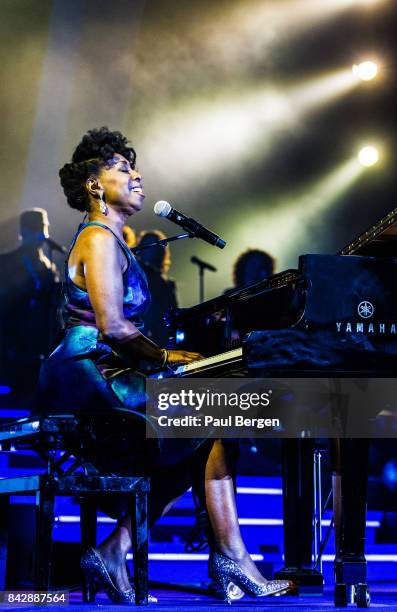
point(378, 241)
point(276, 281)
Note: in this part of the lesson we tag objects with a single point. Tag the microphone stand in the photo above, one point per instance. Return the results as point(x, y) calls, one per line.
point(201, 282)
point(162, 243)
point(202, 265)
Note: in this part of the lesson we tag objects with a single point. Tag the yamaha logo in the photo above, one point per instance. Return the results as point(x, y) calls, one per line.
point(365, 310)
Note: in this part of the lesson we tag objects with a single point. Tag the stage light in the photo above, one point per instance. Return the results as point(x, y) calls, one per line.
point(389, 475)
point(368, 156)
point(365, 71)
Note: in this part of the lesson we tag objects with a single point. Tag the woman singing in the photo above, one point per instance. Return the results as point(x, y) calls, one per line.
point(95, 365)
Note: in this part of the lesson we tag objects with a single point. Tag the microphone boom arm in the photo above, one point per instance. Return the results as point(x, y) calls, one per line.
point(162, 242)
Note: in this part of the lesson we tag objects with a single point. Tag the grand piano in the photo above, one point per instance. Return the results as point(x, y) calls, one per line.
point(333, 316)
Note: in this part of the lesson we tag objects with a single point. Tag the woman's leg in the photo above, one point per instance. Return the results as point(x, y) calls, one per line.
point(167, 485)
point(221, 506)
point(114, 551)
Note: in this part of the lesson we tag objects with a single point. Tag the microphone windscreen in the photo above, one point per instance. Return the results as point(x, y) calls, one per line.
point(162, 208)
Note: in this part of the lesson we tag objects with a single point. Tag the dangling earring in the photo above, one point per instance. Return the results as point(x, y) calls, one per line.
point(103, 207)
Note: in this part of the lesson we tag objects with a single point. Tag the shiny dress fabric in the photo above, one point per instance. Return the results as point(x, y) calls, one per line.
point(84, 374)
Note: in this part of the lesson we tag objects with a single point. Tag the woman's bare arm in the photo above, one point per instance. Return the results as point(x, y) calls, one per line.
point(100, 257)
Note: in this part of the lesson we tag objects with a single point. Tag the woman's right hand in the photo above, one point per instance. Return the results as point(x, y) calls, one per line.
point(179, 357)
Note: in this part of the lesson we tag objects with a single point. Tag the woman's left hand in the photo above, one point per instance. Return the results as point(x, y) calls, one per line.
point(178, 357)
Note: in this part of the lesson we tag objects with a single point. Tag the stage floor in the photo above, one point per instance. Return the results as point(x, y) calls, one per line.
point(383, 595)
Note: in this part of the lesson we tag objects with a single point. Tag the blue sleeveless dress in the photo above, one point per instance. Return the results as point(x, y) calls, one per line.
point(83, 373)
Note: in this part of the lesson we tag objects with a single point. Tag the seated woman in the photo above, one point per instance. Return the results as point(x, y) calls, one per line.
point(96, 365)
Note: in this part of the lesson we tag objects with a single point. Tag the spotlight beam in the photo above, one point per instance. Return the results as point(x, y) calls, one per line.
point(233, 128)
point(287, 227)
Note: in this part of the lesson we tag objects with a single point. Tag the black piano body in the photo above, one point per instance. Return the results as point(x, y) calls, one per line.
point(342, 310)
point(335, 316)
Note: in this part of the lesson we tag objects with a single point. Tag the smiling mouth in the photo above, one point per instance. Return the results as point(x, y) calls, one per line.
point(138, 202)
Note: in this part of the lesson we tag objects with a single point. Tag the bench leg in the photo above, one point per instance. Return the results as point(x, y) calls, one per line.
point(44, 525)
point(88, 518)
point(139, 529)
point(88, 529)
point(4, 514)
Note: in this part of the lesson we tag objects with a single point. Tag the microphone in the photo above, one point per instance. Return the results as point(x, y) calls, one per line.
point(54, 246)
point(203, 264)
point(164, 209)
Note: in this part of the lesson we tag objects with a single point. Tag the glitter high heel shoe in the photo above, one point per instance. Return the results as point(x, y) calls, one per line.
point(224, 570)
point(96, 575)
point(233, 592)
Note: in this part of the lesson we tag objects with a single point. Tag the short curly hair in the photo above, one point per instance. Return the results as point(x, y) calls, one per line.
point(265, 261)
point(97, 147)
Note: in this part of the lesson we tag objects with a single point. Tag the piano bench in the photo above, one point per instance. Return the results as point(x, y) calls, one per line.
point(61, 438)
point(46, 487)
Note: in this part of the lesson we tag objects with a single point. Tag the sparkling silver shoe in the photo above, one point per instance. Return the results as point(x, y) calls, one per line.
point(96, 576)
point(233, 592)
point(224, 571)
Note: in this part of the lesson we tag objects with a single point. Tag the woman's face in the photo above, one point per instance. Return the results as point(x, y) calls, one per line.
point(122, 185)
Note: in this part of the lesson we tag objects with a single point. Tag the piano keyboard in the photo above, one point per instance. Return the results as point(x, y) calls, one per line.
point(203, 365)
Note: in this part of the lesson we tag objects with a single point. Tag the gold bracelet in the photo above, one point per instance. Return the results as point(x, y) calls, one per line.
point(165, 357)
